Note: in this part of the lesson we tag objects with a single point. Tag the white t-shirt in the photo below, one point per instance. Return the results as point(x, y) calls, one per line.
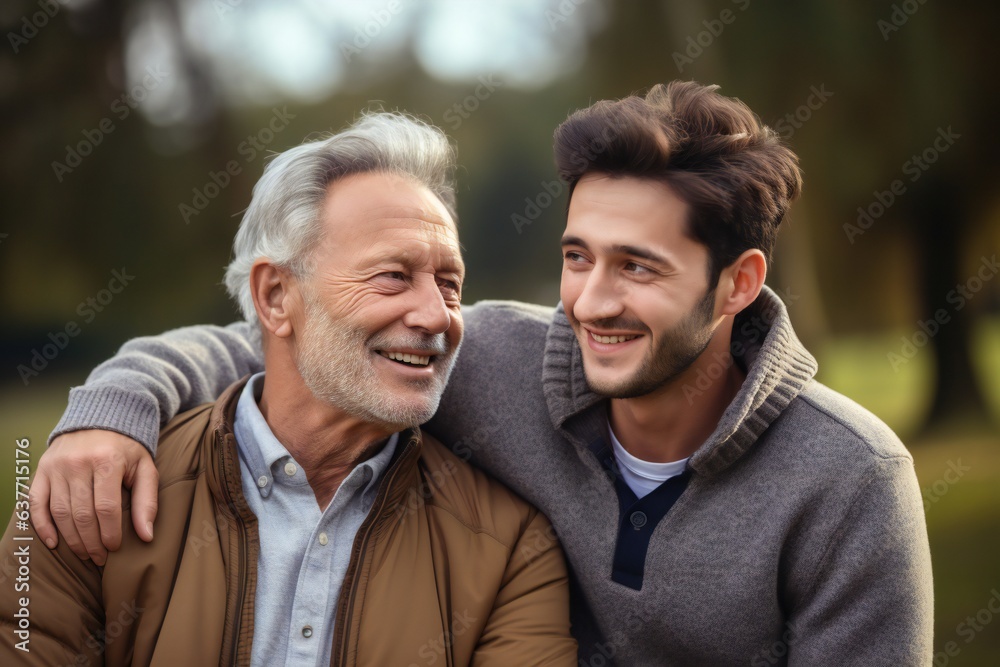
point(643, 476)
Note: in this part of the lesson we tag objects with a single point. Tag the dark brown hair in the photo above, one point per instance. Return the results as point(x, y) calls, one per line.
point(712, 150)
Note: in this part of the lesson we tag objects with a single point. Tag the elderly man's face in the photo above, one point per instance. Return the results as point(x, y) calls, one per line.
point(382, 324)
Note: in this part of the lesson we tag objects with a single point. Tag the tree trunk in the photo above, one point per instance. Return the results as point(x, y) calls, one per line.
point(941, 218)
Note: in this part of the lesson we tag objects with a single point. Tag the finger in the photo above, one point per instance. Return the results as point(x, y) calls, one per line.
point(108, 501)
point(62, 513)
point(38, 503)
point(144, 497)
point(81, 492)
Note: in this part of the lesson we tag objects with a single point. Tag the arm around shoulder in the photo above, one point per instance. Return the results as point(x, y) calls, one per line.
point(154, 378)
point(132, 394)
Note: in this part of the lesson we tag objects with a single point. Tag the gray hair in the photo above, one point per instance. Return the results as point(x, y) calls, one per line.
point(283, 220)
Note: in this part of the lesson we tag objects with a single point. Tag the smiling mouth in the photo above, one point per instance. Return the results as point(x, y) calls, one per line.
point(406, 359)
point(611, 340)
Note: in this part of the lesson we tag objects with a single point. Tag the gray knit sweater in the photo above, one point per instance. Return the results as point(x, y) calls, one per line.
point(799, 540)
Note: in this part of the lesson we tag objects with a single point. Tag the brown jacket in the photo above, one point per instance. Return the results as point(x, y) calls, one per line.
point(450, 568)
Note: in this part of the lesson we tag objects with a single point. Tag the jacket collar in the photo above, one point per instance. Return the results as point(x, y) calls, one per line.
point(777, 364)
point(221, 458)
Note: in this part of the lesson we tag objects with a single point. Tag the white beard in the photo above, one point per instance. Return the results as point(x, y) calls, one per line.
point(336, 362)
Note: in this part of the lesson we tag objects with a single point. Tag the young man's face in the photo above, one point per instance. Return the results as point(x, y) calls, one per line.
point(634, 284)
point(381, 322)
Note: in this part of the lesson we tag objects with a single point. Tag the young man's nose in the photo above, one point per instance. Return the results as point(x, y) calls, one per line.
point(599, 300)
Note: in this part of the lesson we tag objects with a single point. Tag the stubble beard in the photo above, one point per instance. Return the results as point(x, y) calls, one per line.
point(677, 348)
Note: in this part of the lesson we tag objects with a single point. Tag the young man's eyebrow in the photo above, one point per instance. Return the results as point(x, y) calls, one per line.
point(642, 253)
point(622, 249)
point(573, 240)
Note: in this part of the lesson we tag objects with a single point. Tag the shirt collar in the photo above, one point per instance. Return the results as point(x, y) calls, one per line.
point(260, 450)
point(374, 467)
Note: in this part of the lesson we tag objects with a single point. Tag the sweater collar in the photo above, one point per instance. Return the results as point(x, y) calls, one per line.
point(778, 367)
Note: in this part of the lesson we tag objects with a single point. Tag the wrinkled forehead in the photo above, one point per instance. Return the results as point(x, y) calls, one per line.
point(421, 224)
point(425, 218)
point(364, 209)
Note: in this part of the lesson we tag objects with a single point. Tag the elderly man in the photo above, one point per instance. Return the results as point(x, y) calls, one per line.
point(718, 506)
point(306, 521)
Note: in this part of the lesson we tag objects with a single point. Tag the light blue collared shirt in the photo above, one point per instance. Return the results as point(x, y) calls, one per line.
point(304, 552)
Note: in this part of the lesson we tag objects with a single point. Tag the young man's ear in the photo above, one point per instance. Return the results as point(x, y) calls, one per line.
point(273, 289)
point(741, 282)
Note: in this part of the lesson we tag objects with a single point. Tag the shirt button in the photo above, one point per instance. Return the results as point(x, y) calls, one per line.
point(262, 481)
point(323, 539)
point(307, 631)
point(638, 520)
point(290, 468)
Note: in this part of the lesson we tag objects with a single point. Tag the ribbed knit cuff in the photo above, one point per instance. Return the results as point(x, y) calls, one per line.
point(112, 409)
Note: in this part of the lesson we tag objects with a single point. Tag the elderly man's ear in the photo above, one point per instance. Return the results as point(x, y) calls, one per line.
point(276, 296)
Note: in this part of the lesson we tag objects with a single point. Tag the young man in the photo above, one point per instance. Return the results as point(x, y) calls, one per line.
point(717, 505)
point(289, 533)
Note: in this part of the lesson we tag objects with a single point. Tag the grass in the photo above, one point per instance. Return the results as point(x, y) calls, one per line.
point(963, 521)
point(963, 518)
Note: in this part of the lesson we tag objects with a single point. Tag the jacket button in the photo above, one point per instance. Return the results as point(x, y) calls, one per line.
point(307, 631)
point(638, 520)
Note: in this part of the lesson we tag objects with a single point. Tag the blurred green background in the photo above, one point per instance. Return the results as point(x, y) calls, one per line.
point(120, 120)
